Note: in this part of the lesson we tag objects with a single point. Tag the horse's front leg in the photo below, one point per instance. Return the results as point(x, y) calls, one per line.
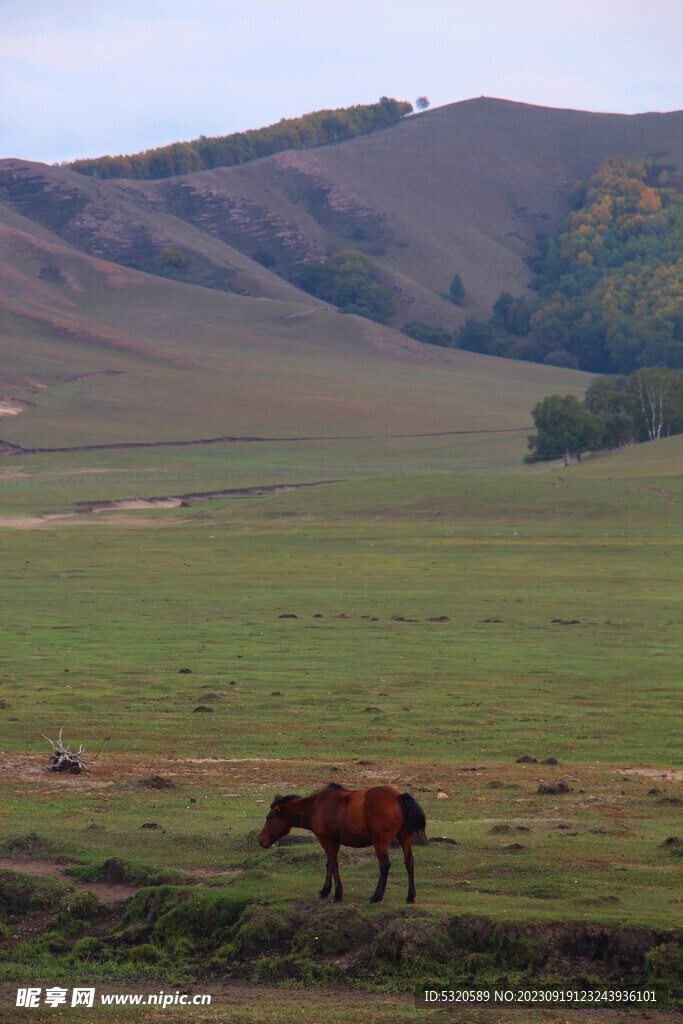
point(381, 850)
point(332, 849)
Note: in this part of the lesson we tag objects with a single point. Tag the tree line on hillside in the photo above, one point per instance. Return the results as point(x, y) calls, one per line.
point(645, 406)
point(319, 128)
point(609, 284)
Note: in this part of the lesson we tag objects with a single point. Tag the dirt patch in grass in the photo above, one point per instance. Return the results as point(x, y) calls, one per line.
point(130, 504)
point(11, 407)
point(31, 522)
point(663, 774)
point(35, 768)
point(107, 892)
point(87, 508)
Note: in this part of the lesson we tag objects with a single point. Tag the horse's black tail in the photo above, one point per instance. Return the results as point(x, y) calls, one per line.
point(413, 815)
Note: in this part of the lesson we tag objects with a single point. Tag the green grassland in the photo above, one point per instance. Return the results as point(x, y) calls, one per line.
point(561, 592)
point(426, 611)
point(99, 620)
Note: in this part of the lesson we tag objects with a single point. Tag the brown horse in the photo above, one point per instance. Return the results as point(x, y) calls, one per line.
point(342, 817)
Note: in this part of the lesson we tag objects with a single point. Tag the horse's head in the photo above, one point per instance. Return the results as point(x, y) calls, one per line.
point(278, 822)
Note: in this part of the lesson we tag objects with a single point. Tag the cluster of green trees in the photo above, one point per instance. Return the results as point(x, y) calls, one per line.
point(348, 281)
point(645, 406)
point(609, 284)
point(317, 129)
point(428, 333)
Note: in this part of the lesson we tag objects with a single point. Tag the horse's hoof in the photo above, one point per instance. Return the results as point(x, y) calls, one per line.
point(410, 899)
point(323, 895)
point(337, 899)
point(375, 899)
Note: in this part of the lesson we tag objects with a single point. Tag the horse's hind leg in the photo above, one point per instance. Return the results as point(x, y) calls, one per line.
point(381, 850)
point(327, 887)
point(337, 880)
point(406, 842)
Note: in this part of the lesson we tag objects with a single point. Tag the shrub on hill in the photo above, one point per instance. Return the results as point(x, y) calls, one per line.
point(316, 129)
point(347, 280)
point(609, 284)
point(170, 257)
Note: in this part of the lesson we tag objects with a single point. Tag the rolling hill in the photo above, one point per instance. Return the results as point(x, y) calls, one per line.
point(96, 349)
point(96, 353)
point(463, 188)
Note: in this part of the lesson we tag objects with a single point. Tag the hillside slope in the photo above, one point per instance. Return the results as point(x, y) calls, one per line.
point(103, 220)
point(94, 353)
point(463, 188)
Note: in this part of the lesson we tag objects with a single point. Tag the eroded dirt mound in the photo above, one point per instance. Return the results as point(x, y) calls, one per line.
point(336, 945)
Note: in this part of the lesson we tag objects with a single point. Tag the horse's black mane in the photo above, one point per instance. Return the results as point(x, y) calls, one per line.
point(283, 799)
point(334, 785)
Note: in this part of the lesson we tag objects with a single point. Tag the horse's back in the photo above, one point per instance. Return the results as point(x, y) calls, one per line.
point(382, 813)
point(380, 796)
point(356, 817)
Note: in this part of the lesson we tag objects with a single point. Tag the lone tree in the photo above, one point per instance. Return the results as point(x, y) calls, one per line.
point(422, 102)
point(564, 429)
point(456, 290)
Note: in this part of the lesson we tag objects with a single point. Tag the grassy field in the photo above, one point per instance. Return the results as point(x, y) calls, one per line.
point(238, 647)
point(250, 545)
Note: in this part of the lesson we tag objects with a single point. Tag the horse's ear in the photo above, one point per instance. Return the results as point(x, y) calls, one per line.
point(276, 799)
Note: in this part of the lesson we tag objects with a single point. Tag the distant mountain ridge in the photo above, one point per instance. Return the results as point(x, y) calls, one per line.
point(91, 348)
point(466, 188)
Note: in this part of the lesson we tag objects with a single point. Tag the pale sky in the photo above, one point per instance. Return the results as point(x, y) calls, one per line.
point(88, 77)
